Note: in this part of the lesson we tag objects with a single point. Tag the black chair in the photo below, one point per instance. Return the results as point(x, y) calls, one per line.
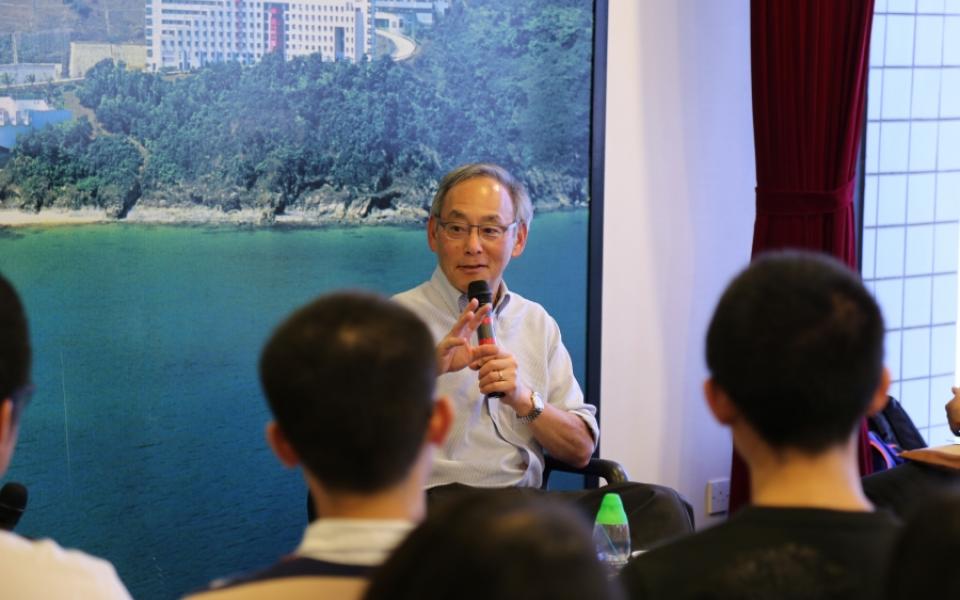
point(657, 513)
point(598, 468)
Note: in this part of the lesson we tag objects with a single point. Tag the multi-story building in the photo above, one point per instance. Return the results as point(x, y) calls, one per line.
point(189, 34)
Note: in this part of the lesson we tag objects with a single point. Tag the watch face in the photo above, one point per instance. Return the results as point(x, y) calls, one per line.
point(537, 403)
point(537, 409)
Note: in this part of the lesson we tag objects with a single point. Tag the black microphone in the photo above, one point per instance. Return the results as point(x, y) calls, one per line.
point(480, 291)
point(13, 501)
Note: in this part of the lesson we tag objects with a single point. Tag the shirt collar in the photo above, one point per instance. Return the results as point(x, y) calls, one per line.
point(353, 541)
point(457, 301)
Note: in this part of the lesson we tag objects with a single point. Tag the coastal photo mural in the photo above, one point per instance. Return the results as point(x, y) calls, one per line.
point(176, 178)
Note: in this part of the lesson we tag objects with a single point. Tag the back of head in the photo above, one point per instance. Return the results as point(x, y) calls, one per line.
point(14, 342)
point(924, 561)
point(350, 380)
point(509, 546)
point(796, 342)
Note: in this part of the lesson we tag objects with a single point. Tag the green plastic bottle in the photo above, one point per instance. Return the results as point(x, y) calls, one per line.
point(611, 534)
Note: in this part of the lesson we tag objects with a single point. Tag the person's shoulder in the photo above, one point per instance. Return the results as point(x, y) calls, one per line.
point(295, 567)
point(906, 489)
point(531, 311)
point(423, 300)
point(811, 538)
point(689, 545)
point(47, 562)
point(285, 574)
point(668, 566)
point(49, 552)
point(414, 294)
point(291, 588)
point(662, 571)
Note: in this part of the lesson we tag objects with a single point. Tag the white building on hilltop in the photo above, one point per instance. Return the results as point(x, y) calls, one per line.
point(19, 73)
point(422, 11)
point(188, 35)
point(85, 55)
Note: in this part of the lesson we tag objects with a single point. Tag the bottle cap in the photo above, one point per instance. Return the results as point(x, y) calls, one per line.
point(611, 511)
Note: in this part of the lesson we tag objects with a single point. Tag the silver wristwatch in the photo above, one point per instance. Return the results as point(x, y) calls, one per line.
point(537, 409)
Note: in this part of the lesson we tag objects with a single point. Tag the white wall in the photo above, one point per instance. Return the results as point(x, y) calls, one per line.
point(678, 219)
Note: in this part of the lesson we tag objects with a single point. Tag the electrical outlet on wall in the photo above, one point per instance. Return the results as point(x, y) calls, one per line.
point(718, 496)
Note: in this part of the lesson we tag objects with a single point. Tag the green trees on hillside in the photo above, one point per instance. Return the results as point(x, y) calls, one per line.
point(502, 80)
point(66, 166)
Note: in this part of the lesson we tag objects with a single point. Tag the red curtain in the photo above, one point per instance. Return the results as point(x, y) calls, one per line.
point(809, 60)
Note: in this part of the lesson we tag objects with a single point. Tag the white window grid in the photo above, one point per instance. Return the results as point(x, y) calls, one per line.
point(911, 193)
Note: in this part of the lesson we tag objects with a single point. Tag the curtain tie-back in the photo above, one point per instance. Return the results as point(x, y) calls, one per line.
point(779, 202)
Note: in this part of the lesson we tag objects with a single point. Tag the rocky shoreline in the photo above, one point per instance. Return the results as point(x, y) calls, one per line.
point(403, 203)
point(202, 215)
point(199, 215)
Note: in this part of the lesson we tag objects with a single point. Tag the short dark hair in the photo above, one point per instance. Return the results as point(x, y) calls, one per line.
point(350, 380)
point(15, 355)
point(501, 544)
point(796, 341)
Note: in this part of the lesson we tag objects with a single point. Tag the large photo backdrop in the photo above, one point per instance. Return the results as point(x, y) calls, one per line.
point(181, 183)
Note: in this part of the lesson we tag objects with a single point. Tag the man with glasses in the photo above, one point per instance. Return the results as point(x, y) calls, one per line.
point(480, 219)
point(36, 569)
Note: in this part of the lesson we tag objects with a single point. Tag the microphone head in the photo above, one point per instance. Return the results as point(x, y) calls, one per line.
point(480, 290)
point(13, 501)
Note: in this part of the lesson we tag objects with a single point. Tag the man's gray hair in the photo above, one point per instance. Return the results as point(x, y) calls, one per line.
point(522, 207)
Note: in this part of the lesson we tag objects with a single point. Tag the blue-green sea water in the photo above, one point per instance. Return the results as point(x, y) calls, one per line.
point(144, 441)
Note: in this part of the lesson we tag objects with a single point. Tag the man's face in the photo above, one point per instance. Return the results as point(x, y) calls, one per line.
point(476, 201)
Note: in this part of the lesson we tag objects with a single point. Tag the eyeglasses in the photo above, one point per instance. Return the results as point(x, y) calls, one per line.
point(458, 230)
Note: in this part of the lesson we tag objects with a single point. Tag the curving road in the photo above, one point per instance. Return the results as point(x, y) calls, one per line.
point(404, 46)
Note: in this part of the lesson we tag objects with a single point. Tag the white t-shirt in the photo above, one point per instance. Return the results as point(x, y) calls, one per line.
point(42, 569)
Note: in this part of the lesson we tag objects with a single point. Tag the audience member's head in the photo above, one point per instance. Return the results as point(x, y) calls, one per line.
point(350, 381)
point(924, 563)
point(503, 546)
point(14, 368)
point(795, 348)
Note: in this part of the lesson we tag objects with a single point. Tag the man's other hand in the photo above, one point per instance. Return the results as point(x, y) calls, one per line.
point(454, 351)
point(953, 411)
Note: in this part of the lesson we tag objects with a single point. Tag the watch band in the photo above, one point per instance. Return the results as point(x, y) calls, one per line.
point(537, 409)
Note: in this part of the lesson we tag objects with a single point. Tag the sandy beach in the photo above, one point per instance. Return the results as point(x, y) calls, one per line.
point(200, 215)
point(84, 216)
point(21, 218)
